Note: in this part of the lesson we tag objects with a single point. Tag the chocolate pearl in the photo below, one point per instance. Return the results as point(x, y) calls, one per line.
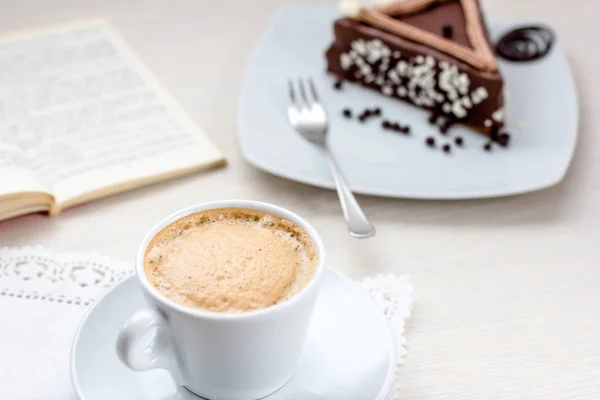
point(347, 113)
point(445, 126)
point(364, 115)
point(338, 84)
point(487, 146)
point(396, 127)
point(405, 129)
point(458, 141)
point(447, 31)
point(367, 112)
point(430, 141)
point(494, 133)
point(433, 118)
point(446, 148)
point(503, 139)
point(386, 124)
point(376, 111)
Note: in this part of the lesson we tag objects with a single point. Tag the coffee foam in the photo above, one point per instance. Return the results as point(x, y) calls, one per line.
point(230, 260)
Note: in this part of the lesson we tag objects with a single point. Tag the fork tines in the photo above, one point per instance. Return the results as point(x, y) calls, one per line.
point(304, 100)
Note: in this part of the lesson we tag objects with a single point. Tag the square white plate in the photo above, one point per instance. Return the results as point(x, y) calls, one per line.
point(542, 120)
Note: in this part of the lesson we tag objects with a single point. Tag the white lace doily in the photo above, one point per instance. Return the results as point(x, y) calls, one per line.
point(41, 274)
point(78, 279)
point(394, 295)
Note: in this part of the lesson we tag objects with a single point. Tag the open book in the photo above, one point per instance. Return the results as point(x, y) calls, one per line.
point(81, 117)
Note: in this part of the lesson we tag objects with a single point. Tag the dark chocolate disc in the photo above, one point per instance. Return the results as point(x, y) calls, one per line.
point(526, 44)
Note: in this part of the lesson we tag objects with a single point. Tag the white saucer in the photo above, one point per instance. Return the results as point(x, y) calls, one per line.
point(349, 354)
point(542, 119)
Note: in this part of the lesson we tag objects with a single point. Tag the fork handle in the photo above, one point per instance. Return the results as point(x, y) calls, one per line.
point(358, 224)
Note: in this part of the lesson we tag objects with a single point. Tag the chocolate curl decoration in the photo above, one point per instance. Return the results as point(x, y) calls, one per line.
point(526, 44)
point(350, 8)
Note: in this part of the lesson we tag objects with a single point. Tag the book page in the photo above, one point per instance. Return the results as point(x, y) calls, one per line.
point(17, 175)
point(91, 118)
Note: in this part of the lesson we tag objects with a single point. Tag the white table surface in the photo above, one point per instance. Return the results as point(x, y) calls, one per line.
point(507, 291)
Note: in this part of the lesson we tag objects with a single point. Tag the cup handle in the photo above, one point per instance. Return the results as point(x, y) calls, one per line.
point(141, 352)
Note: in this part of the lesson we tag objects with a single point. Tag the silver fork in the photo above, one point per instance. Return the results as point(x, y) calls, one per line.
point(307, 115)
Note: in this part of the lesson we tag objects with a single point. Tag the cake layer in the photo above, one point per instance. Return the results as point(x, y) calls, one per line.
point(418, 74)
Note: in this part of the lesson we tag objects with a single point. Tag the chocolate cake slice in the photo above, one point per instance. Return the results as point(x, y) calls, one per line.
point(435, 54)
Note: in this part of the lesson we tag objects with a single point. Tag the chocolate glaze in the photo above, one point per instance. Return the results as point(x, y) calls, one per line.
point(525, 44)
point(347, 30)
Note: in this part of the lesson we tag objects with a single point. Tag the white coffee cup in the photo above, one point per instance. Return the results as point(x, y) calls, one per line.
point(221, 356)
